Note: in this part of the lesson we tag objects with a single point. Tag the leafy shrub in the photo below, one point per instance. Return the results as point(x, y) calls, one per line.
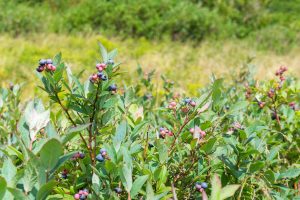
point(110, 142)
point(156, 19)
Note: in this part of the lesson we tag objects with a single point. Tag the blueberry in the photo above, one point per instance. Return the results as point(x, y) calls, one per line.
point(110, 62)
point(100, 74)
point(82, 197)
point(49, 61)
point(43, 62)
point(64, 176)
point(204, 185)
point(40, 69)
point(187, 100)
point(118, 190)
point(102, 150)
point(112, 87)
point(81, 155)
point(104, 78)
point(99, 158)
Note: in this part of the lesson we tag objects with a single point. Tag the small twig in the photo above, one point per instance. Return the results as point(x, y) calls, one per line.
point(174, 192)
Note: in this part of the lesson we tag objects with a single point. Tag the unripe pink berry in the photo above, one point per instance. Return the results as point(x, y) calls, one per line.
point(173, 104)
point(85, 193)
point(192, 130)
point(76, 196)
point(193, 103)
point(203, 133)
point(80, 192)
point(53, 68)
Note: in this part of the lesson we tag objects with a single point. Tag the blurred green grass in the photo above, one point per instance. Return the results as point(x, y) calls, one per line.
point(189, 65)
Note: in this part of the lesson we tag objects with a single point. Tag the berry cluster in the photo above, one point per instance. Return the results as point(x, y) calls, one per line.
point(94, 78)
point(163, 132)
point(197, 132)
point(78, 155)
point(46, 64)
point(64, 174)
point(188, 102)
point(201, 186)
point(102, 155)
point(81, 195)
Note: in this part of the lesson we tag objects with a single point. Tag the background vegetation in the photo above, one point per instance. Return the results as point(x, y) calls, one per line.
point(198, 35)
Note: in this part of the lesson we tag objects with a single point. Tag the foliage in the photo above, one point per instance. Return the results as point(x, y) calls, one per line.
point(154, 19)
point(157, 145)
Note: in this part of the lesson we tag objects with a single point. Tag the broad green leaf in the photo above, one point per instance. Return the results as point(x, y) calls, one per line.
point(209, 146)
point(72, 132)
point(228, 191)
point(103, 52)
point(290, 173)
point(18, 194)
point(162, 151)
point(120, 135)
point(62, 159)
point(9, 171)
point(216, 188)
point(137, 185)
point(126, 177)
point(254, 167)
point(45, 190)
point(50, 153)
point(3, 186)
point(270, 176)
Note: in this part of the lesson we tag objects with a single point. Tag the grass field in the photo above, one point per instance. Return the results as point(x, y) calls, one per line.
point(189, 65)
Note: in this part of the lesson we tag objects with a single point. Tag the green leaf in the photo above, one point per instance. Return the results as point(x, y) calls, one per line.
point(103, 52)
point(290, 173)
point(126, 177)
point(149, 192)
point(45, 190)
point(162, 151)
point(137, 185)
point(18, 194)
point(209, 146)
point(120, 135)
point(73, 131)
point(62, 160)
point(216, 188)
point(3, 186)
point(9, 171)
point(270, 176)
point(228, 191)
point(256, 166)
point(50, 153)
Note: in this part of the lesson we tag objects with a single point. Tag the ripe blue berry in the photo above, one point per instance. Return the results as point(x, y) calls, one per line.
point(187, 100)
point(64, 176)
point(43, 62)
point(118, 190)
point(82, 197)
point(40, 69)
point(81, 155)
point(112, 87)
point(99, 158)
point(104, 78)
point(49, 61)
point(102, 151)
point(100, 74)
point(204, 185)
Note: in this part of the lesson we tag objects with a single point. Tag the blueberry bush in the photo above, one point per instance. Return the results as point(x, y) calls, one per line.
point(94, 138)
